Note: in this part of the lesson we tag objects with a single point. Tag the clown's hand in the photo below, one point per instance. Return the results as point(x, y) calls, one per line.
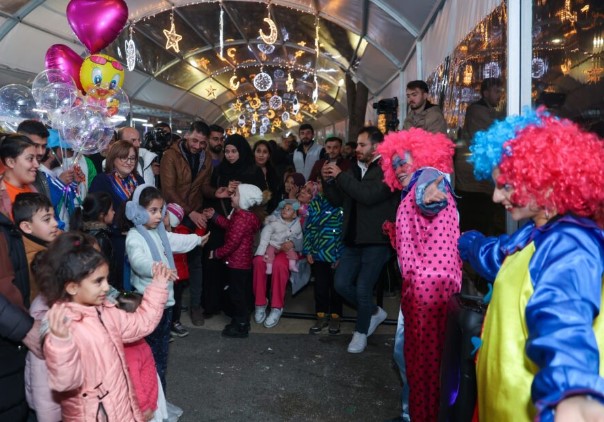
point(433, 193)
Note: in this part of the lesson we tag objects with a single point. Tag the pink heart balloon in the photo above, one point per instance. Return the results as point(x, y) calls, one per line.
point(97, 23)
point(61, 57)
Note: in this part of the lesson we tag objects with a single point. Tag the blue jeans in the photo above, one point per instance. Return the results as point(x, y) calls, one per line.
point(357, 273)
point(159, 341)
point(399, 358)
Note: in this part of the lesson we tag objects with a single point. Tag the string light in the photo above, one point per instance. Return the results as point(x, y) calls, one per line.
point(221, 31)
point(172, 38)
point(315, 93)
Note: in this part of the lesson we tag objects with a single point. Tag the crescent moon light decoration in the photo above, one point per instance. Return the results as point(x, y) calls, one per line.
point(234, 83)
point(231, 52)
point(255, 103)
point(271, 38)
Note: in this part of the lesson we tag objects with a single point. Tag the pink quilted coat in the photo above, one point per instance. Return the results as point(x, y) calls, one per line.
point(90, 365)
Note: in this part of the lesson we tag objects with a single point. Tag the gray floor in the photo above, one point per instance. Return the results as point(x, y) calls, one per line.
point(283, 373)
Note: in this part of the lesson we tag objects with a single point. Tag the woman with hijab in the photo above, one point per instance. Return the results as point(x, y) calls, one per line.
point(237, 167)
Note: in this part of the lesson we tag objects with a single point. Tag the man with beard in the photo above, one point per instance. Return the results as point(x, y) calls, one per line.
point(307, 154)
point(367, 203)
point(216, 144)
point(184, 168)
point(422, 113)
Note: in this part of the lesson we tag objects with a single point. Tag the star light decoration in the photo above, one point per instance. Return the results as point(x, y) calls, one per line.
point(203, 63)
point(289, 82)
point(172, 38)
point(211, 91)
point(237, 105)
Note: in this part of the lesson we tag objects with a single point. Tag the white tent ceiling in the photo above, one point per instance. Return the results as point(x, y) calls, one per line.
point(367, 39)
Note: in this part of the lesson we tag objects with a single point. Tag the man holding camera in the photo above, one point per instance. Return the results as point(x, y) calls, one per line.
point(333, 154)
point(422, 113)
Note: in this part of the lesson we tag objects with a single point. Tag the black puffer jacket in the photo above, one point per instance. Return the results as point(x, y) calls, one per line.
point(14, 325)
point(367, 202)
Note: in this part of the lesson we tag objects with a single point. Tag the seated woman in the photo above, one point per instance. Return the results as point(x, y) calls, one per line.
point(542, 334)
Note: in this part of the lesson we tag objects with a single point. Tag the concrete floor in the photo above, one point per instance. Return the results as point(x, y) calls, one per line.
point(284, 373)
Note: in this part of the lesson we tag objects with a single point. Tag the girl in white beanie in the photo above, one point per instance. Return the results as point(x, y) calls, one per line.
point(237, 252)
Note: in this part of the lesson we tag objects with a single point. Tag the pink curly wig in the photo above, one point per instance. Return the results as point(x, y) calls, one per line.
point(426, 150)
point(556, 165)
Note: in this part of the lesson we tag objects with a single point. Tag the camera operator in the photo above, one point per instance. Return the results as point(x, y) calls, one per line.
point(422, 113)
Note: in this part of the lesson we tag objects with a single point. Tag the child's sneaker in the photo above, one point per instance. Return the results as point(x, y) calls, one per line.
point(178, 330)
point(334, 324)
point(260, 314)
point(269, 268)
point(321, 322)
point(273, 318)
point(293, 265)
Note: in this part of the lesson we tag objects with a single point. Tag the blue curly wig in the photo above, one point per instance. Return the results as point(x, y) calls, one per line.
point(487, 147)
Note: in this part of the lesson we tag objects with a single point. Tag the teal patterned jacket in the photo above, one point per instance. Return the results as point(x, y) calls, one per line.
point(323, 230)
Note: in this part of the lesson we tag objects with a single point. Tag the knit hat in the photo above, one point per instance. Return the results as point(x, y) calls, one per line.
point(299, 179)
point(249, 196)
point(176, 214)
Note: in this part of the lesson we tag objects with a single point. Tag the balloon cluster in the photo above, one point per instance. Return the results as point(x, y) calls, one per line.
point(82, 98)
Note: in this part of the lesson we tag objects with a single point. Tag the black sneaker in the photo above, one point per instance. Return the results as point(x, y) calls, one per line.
point(320, 323)
point(178, 330)
point(236, 330)
point(334, 325)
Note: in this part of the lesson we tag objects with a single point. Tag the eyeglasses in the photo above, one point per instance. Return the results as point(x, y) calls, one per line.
point(128, 159)
point(101, 60)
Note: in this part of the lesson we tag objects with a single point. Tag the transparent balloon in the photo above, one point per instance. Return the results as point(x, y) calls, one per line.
point(54, 93)
point(84, 128)
point(17, 104)
point(114, 102)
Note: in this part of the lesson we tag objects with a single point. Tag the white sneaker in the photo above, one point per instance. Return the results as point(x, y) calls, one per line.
point(260, 314)
point(376, 319)
point(273, 318)
point(358, 343)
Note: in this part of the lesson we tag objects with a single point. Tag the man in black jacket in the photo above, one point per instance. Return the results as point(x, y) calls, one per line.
point(367, 202)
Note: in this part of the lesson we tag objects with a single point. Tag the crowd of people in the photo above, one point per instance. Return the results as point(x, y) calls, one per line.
point(95, 255)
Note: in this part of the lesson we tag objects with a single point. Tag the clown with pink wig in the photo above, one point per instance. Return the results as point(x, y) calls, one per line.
point(542, 337)
point(425, 237)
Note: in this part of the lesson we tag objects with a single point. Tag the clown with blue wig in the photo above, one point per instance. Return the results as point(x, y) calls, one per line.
point(542, 336)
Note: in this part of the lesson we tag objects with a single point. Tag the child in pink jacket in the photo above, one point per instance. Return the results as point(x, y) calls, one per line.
point(83, 344)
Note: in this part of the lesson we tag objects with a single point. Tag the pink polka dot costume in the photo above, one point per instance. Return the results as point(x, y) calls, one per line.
point(426, 244)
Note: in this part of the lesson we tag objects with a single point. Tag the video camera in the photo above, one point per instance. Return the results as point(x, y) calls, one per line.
point(157, 140)
point(388, 107)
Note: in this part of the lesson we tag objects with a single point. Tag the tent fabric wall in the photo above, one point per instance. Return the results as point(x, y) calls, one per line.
point(442, 37)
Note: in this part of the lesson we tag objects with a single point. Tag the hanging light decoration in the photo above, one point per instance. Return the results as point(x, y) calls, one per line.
point(271, 38)
point(262, 81)
point(275, 102)
point(172, 38)
point(289, 82)
point(130, 52)
point(284, 116)
point(233, 82)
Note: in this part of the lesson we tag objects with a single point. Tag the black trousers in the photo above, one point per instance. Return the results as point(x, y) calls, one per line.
point(240, 294)
point(327, 299)
point(458, 371)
